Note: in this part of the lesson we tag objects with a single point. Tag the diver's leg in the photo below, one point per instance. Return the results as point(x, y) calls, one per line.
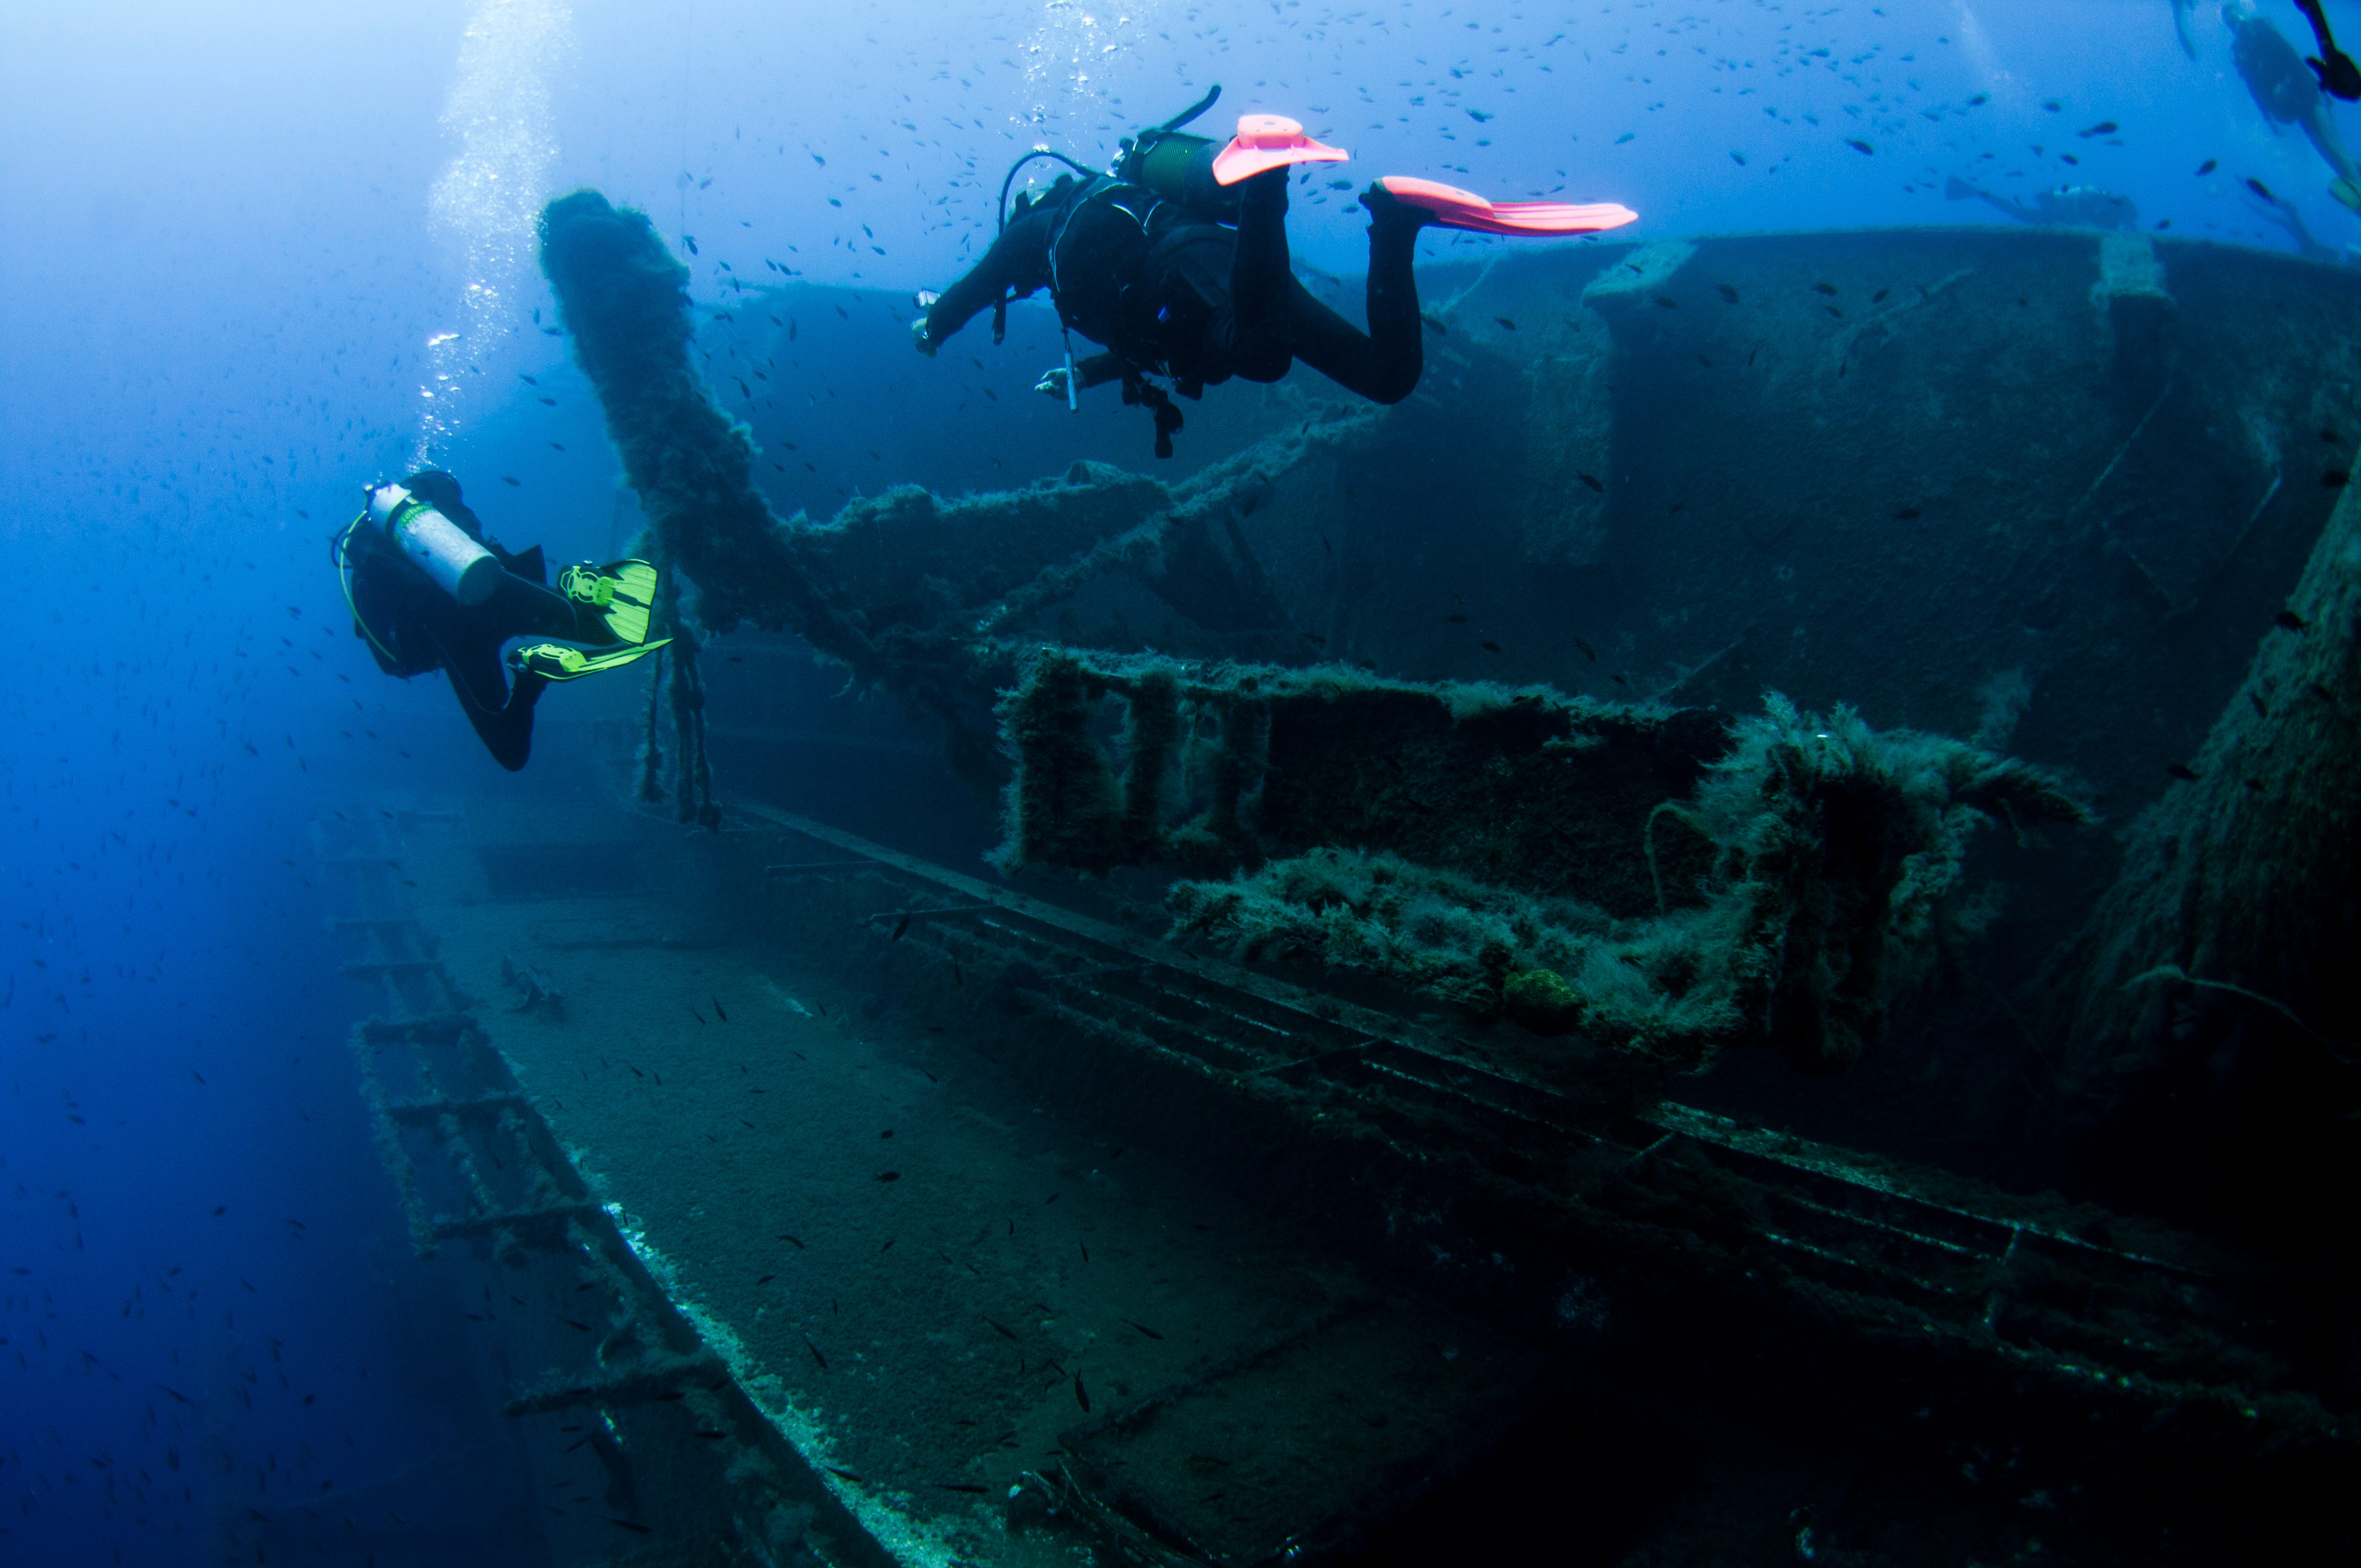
point(471, 656)
point(506, 730)
point(1260, 348)
point(2322, 129)
point(1383, 365)
point(522, 607)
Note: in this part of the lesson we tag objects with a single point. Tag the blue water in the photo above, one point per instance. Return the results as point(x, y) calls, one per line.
point(223, 272)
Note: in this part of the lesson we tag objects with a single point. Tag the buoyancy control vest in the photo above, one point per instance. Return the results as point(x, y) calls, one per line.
point(1142, 274)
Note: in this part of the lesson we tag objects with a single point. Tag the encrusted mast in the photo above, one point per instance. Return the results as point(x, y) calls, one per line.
point(1671, 879)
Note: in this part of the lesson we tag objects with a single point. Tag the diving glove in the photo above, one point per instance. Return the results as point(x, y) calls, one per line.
point(1054, 382)
point(622, 592)
point(556, 662)
point(925, 301)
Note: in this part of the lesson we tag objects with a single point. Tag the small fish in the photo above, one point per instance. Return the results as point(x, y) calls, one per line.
point(887, 1176)
point(1592, 481)
point(1489, 646)
point(1456, 620)
point(2208, 167)
point(900, 926)
point(817, 1356)
point(1587, 651)
point(1627, 136)
point(1479, 116)
point(1082, 1395)
point(1738, 158)
point(689, 240)
point(1906, 514)
point(1823, 288)
point(527, 379)
point(1143, 1328)
point(1729, 295)
point(2183, 772)
point(632, 1525)
point(1666, 303)
point(2259, 189)
point(717, 1008)
point(2287, 617)
point(1858, 145)
point(1980, 100)
point(957, 979)
point(696, 1014)
point(1434, 323)
point(1878, 298)
point(2103, 128)
point(1505, 322)
point(794, 1241)
point(1005, 1333)
point(551, 401)
point(1086, 1252)
point(1620, 680)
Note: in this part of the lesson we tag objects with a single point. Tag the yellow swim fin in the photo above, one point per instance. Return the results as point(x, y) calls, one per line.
point(623, 592)
point(557, 662)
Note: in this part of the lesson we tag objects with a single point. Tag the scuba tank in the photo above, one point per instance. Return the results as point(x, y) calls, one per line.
point(434, 544)
point(1180, 167)
point(1177, 167)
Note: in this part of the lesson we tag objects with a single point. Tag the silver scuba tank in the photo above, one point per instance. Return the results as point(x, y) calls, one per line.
point(437, 545)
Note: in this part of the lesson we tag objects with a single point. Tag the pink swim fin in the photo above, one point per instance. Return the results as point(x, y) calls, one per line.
point(1454, 208)
point(1265, 142)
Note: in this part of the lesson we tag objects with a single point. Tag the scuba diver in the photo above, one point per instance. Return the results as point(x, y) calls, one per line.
point(430, 590)
point(1175, 260)
point(2288, 90)
point(2068, 206)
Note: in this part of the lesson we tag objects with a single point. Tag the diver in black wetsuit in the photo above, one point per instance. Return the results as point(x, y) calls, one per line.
point(414, 624)
point(1172, 289)
point(2288, 90)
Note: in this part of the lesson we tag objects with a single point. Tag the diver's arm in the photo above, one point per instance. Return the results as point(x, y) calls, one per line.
point(1019, 259)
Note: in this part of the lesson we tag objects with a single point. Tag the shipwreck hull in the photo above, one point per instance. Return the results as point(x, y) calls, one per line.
point(927, 1209)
